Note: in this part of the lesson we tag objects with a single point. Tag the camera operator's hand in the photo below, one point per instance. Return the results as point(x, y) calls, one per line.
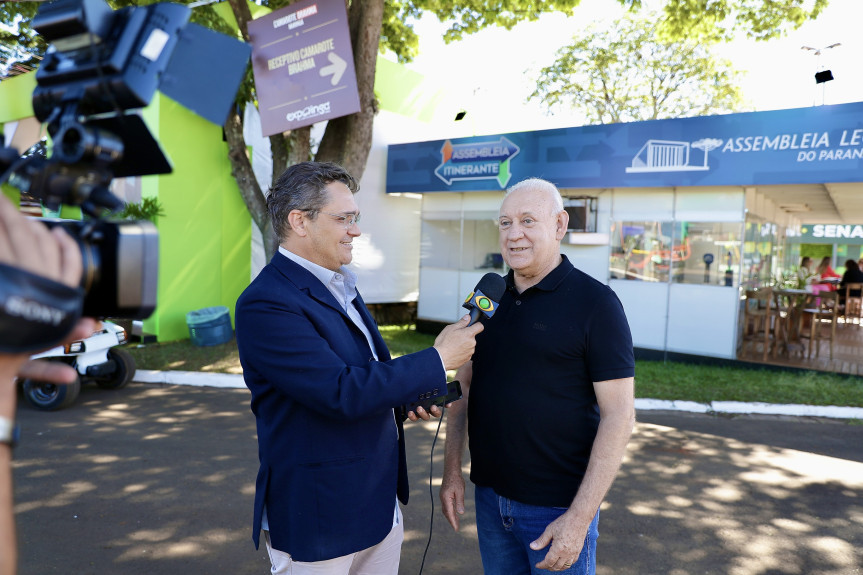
point(28, 245)
point(54, 371)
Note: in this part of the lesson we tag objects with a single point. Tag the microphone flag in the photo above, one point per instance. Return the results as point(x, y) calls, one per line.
point(485, 297)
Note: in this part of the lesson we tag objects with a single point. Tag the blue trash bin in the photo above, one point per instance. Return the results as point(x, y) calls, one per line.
point(209, 326)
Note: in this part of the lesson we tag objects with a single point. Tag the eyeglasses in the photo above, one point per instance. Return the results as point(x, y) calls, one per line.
point(347, 220)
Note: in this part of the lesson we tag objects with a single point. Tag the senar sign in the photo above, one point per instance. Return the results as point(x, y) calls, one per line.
point(837, 231)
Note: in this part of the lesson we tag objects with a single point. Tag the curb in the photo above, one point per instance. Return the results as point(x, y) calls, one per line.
point(195, 378)
point(235, 381)
point(743, 408)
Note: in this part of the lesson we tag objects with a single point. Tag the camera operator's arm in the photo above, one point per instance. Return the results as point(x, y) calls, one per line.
point(12, 366)
point(28, 245)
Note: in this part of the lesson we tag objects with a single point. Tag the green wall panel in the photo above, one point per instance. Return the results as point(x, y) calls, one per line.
point(406, 92)
point(205, 233)
point(16, 97)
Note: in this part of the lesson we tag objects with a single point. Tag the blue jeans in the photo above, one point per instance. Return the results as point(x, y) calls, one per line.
point(506, 528)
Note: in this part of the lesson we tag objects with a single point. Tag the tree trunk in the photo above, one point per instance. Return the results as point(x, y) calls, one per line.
point(290, 149)
point(299, 146)
point(348, 140)
point(279, 155)
point(241, 169)
point(242, 15)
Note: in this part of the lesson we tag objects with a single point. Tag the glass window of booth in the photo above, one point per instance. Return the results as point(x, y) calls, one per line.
point(582, 213)
point(460, 241)
point(640, 251)
point(709, 253)
point(682, 252)
point(759, 244)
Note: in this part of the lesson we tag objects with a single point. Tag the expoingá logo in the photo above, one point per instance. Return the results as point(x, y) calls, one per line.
point(308, 112)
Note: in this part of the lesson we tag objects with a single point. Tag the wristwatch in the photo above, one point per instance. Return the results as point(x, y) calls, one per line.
point(9, 432)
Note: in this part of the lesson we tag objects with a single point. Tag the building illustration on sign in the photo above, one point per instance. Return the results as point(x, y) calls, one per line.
point(488, 160)
point(671, 156)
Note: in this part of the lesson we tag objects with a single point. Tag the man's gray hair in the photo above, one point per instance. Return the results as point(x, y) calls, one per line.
point(541, 185)
point(303, 187)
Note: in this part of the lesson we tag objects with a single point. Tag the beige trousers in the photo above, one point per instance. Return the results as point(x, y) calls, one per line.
point(380, 559)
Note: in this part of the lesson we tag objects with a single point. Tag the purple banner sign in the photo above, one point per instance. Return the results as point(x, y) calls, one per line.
point(303, 65)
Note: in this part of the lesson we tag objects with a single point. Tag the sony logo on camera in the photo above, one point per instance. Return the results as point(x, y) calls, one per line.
point(30, 310)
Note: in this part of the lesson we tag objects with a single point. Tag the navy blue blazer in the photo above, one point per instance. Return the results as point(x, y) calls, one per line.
point(332, 458)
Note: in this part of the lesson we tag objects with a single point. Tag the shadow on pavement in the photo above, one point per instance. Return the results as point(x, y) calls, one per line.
point(159, 480)
point(143, 480)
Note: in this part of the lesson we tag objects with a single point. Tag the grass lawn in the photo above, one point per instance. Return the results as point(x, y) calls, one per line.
point(653, 379)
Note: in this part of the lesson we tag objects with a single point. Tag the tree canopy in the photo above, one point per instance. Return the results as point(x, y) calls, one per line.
point(725, 19)
point(626, 72)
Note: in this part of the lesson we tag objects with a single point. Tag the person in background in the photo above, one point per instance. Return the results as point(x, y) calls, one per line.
point(27, 245)
point(324, 389)
point(805, 274)
point(853, 274)
point(825, 272)
point(549, 401)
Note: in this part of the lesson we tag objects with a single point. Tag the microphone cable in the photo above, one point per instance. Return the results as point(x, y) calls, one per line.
point(431, 493)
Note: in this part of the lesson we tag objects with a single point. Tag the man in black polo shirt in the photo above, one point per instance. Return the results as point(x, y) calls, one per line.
point(549, 398)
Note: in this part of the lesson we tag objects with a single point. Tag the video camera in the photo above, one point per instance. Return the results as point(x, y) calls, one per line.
point(100, 65)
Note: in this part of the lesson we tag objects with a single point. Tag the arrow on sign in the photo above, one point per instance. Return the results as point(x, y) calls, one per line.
point(336, 68)
point(484, 160)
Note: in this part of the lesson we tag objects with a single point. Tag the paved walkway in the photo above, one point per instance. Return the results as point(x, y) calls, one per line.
point(158, 479)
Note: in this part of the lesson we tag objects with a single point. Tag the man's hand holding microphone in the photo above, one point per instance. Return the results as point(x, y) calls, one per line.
point(456, 343)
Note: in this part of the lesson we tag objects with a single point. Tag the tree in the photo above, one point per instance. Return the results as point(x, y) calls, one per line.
point(626, 72)
point(725, 19)
point(377, 25)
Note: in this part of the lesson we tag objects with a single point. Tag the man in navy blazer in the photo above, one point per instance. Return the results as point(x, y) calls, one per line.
point(324, 389)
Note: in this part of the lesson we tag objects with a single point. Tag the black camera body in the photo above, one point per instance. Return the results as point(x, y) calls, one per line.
point(121, 262)
point(100, 65)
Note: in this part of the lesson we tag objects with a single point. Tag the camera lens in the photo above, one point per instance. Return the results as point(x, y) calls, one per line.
point(81, 144)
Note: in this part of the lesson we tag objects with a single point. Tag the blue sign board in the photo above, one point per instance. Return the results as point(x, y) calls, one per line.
point(822, 144)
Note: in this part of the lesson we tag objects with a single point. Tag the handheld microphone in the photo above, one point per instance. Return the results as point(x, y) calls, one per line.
point(485, 297)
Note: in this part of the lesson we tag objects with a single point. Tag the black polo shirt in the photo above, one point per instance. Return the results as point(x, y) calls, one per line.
point(532, 412)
